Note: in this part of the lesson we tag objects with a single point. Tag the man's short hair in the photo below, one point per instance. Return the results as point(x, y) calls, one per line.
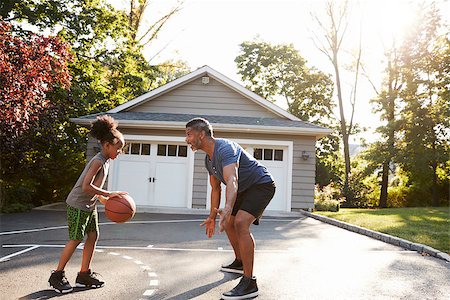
point(200, 124)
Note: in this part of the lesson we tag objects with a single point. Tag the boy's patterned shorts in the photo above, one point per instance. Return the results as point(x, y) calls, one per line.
point(81, 222)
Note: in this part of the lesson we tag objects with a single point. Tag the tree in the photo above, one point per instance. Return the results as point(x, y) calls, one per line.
point(425, 126)
point(334, 32)
point(386, 103)
point(136, 16)
point(29, 69)
point(279, 72)
point(106, 70)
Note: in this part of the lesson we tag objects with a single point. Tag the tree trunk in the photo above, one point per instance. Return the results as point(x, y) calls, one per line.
point(435, 199)
point(384, 185)
point(345, 134)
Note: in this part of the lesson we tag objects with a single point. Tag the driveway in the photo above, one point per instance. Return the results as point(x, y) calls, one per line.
point(167, 256)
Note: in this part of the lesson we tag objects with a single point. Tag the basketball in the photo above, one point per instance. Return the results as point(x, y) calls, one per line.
point(120, 209)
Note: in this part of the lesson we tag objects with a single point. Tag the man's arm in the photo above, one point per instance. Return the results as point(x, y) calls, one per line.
point(216, 190)
point(210, 222)
point(230, 175)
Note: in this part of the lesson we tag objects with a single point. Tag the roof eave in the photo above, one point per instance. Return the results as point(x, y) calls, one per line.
point(278, 130)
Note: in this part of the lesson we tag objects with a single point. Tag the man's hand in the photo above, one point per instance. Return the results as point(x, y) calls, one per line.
point(224, 214)
point(210, 225)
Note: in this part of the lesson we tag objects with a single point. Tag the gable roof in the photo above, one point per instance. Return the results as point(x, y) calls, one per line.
point(203, 71)
point(219, 123)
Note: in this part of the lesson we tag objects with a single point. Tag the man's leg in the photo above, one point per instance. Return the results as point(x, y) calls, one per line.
point(246, 243)
point(232, 237)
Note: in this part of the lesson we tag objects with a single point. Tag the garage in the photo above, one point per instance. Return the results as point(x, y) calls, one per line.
point(154, 172)
point(159, 170)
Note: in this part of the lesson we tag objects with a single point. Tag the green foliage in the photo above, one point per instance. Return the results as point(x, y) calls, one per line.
point(19, 196)
point(108, 69)
point(425, 118)
point(327, 198)
point(279, 71)
point(329, 162)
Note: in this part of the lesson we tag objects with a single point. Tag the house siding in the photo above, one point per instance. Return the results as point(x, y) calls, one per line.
point(303, 171)
point(213, 98)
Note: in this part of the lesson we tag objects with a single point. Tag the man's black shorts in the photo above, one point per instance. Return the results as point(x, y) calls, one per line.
point(254, 200)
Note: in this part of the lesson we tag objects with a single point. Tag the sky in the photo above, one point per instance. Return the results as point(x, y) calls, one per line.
point(208, 32)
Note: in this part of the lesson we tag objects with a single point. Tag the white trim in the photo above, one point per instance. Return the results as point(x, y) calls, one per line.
point(289, 162)
point(155, 138)
point(216, 75)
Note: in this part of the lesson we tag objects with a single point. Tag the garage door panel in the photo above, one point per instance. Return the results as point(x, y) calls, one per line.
point(132, 176)
point(170, 184)
point(154, 173)
point(278, 201)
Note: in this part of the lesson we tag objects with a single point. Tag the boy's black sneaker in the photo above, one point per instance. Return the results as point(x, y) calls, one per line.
point(235, 267)
point(59, 283)
point(88, 279)
point(246, 289)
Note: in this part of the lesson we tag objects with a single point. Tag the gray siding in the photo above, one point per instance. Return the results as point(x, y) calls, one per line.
point(303, 172)
point(213, 98)
point(200, 181)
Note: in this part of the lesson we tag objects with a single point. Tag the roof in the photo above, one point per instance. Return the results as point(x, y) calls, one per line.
point(203, 71)
point(219, 123)
point(285, 124)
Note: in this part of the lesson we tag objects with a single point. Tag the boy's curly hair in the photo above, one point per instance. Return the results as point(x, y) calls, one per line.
point(104, 129)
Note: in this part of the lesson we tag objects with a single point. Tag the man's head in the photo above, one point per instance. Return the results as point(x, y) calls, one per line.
point(197, 130)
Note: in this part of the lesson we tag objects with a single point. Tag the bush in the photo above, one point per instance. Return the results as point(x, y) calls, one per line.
point(397, 196)
point(327, 198)
point(18, 197)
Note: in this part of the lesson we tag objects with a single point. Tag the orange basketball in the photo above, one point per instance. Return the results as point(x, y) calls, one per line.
point(120, 209)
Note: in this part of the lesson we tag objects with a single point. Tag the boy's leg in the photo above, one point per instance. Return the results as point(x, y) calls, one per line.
point(88, 251)
point(67, 253)
point(91, 241)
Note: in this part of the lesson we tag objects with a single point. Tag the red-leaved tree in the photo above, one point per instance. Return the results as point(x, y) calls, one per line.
point(30, 67)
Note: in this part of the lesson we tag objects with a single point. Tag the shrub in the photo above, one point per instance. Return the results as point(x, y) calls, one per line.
point(327, 198)
point(18, 197)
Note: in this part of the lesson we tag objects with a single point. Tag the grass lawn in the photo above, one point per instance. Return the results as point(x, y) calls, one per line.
point(424, 225)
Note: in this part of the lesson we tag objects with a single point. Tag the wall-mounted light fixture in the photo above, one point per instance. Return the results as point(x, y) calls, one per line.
point(205, 80)
point(305, 155)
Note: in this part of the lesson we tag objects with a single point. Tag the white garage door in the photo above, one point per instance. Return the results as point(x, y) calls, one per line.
point(276, 159)
point(153, 173)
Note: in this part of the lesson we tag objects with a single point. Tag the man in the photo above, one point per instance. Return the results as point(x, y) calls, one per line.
point(249, 189)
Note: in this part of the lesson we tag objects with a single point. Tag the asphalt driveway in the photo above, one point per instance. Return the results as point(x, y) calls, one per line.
point(167, 256)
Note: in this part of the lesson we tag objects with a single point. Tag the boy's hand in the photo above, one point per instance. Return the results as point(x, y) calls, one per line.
point(102, 199)
point(117, 194)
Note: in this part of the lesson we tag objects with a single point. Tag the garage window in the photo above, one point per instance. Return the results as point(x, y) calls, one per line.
point(172, 150)
point(268, 154)
point(136, 149)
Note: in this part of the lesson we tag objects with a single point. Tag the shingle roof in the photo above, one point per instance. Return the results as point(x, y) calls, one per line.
point(171, 121)
point(123, 117)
